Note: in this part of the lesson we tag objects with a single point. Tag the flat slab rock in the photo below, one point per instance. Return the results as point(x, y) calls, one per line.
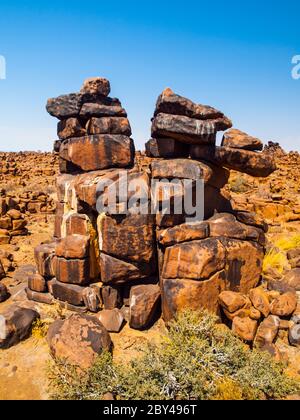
point(252, 163)
point(239, 140)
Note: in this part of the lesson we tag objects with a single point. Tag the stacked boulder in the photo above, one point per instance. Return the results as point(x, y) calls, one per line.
point(12, 219)
point(123, 260)
point(259, 317)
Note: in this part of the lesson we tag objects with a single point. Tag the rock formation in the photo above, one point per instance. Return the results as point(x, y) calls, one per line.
point(125, 258)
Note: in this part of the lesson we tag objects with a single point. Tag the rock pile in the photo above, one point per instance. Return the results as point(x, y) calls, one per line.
point(12, 219)
point(126, 261)
point(261, 316)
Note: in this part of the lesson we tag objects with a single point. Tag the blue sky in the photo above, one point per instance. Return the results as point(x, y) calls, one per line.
point(228, 54)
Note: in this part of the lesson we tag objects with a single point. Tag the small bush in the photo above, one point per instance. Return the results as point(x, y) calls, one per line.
point(275, 260)
point(197, 360)
point(39, 329)
point(288, 243)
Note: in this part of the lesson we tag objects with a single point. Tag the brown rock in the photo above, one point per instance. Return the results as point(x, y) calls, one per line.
point(109, 125)
point(239, 140)
point(284, 305)
point(45, 260)
point(260, 301)
point(252, 219)
point(5, 223)
point(45, 298)
point(240, 313)
point(170, 103)
point(255, 314)
point(245, 328)
point(188, 130)
point(75, 271)
point(112, 320)
point(91, 299)
point(69, 128)
point(251, 163)
point(73, 246)
point(96, 152)
point(197, 260)
point(292, 280)
point(78, 340)
point(15, 214)
point(166, 148)
point(232, 301)
point(144, 304)
point(4, 295)
point(37, 283)
point(131, 237)
point(70, 293)
point(96, 85)
point(294, 335)
point(180, 294)
point(90, 110)
point(183, 233)
point(267, 331)
point(111, 297)
point(115, 271)
point(15, 325)
point(77, 224)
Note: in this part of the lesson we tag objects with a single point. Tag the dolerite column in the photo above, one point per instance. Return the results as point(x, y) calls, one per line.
point(225, 250)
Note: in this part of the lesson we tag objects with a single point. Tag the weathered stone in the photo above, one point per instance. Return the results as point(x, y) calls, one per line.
point(255, 314)
point(292, 280)
point(251, 163)
point(236, 139)
point(73, 246)
point(183, 233)
point(116, 271)
point(96, 152)
point(96, 85)
point(131, 237)
point(4, 294)
point(109, 125)
point(78, 340)
point(166, 148)
point(5, 223)
point(243, 264)
point(240, 313)
point(75, 271)
point(196, 260)
point(144, 303)
point(180, 294)
point(112, 320)
point(260, 301)
point(284, 305)
point(91, 299)
point(170, 103)
point(294, 335)
point(37, 283)
point(90, 110)
point(69, 128)
point(245, 328)
point(252, 219)
point(189, 169)
point(77, 224)
point(15, 325)
point(188, 130)
point(232, 301)
point(2, 271)
point(45, 298)
point(111, 297)
point(45, 259)
point(70, 293)
point(267, 331)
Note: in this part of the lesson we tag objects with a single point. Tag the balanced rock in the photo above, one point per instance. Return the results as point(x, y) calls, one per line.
point(144, 302)
point(96, 85)
point(78, 340)
point(236, 139)
point(69, 128)
point(183, 233)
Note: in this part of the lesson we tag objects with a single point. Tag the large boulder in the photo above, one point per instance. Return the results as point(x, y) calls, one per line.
point(144, 303)
point(15, 325)
point(78, 340)
point(100, 151)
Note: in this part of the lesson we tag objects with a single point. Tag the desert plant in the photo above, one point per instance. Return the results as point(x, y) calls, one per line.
point(287, 243)
point(239, 185)
point(275, 260)
point(197, 360)
point(39, 329)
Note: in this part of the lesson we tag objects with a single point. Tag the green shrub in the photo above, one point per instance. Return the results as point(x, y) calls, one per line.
point(197, 360)
point(239, 185)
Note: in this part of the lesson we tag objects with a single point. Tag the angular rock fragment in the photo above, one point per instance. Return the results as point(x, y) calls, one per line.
point(39, 297)
point(91, 299)
point(37, 283)
point(294, 335)
point(69, 128)
point(236, 139)
point(78, 340)
point(75, 271)
point(112, 320)
point(45, 259)
point(111, 297)
point(90, 110)
point(251, 163)
point(70, 293)
point(232, 301)
point(183, 233)
point(144, 303)
point(73, 247)
point(267, 331)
